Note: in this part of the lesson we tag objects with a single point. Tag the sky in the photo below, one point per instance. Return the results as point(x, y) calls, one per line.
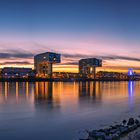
point(105, 29)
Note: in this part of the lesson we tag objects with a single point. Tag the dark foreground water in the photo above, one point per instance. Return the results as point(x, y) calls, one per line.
point(62, 110)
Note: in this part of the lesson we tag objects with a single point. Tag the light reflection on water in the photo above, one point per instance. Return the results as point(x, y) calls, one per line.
point(60, 109)
point(130, 88)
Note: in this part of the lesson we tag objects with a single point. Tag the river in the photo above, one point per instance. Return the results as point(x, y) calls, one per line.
point(62, 110)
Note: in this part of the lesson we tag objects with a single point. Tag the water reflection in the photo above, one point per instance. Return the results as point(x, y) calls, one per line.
point(15, 91)
point(59, 93)
point(67, 106)
point(130, 88)
point(90, 89)
point(131, 93)
point(44, 95)
point(43, 91)
point(6, 90)
point(27, 90)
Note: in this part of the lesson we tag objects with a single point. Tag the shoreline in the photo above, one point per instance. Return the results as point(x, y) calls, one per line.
point(62, 80)
point(126, 130)
point(134, 135)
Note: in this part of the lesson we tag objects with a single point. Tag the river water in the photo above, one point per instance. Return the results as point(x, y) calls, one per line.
point(62, 110)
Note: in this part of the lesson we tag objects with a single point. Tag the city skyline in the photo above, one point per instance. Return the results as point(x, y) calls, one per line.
point(77, 29)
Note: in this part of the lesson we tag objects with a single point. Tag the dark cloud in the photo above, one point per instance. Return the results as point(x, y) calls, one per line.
point(115, 57)
point(15, 54)
point(121, 67)
point(70, 63)
point(106, 57)
point(17, 63)
point(69, 59)
point(76, 55)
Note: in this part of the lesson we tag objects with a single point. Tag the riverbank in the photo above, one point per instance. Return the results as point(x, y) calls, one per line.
point(127, 130)
point(135, 135)
point(59, 80)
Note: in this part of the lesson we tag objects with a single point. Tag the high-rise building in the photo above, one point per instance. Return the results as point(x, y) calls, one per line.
point(43, 63)
point(88, 66)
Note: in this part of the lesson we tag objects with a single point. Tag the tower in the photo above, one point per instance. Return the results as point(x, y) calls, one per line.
point(43, 63)
point(88, 66)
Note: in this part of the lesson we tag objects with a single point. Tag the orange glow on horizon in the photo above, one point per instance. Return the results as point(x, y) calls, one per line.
point(74, 68)
point(113, 66)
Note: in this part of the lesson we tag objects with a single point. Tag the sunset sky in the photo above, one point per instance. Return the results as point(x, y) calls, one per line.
point(107, 29)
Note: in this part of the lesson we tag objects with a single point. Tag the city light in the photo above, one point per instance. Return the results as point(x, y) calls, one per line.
point(130, 72)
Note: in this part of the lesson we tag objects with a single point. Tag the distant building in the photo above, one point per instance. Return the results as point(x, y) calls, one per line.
point(12, 72)
point(88, 66)
point(130, 72)
point(43, 63)
point(111, 75)
point(66, 75)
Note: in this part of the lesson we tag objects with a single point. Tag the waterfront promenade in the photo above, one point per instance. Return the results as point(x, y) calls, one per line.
point(63, 80)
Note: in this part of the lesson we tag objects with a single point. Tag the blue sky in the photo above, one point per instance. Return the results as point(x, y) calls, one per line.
point(119, 17)
point(98, 26)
